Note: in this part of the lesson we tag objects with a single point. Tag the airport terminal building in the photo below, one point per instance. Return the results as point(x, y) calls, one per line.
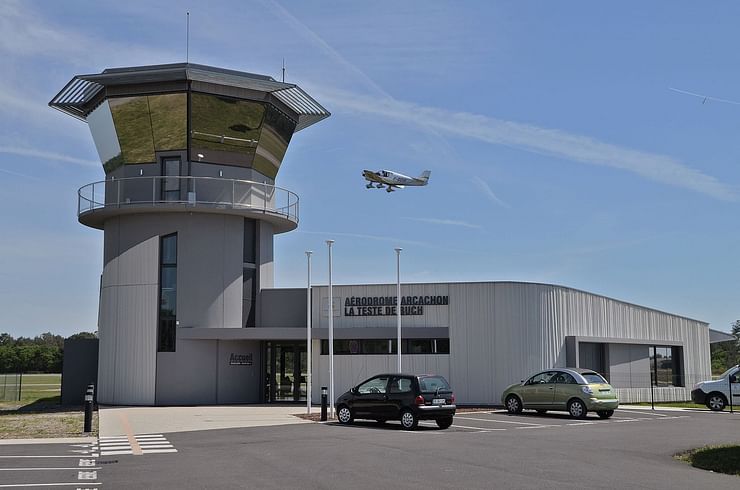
point(188, 311)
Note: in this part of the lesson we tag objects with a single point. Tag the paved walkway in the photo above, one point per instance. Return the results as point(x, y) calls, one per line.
point(127, 421)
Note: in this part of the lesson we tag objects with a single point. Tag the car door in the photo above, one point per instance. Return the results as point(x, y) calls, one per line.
point(400, 395)
point(370, 397)
point(566, 387)
point(539, 390)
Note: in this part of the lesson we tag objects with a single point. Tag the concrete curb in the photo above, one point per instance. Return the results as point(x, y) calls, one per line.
point(59, 440)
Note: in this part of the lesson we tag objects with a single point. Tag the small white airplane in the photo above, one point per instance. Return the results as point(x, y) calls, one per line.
point(393, 179)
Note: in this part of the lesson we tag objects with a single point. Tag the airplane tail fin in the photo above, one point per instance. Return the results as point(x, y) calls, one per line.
point(425, 175)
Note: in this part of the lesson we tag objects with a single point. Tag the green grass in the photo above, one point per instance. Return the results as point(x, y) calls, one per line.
point(720, 459)
point(33, 387)
point(39, 413)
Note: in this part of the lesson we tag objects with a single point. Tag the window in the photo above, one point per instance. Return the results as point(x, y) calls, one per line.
point(419, 346)
point(665, 366)
point(387, 346)
point(565, 378)
point(593, 378)
point(166, 332)
point(542, 378)
point(171, 179)
point(400, 385)
point(225, 130)
point(375, 385)
point(433, 383)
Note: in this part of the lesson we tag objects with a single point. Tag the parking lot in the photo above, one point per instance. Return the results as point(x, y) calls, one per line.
point(483, 449)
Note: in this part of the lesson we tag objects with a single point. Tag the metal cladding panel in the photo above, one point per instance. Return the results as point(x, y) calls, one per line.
point(501, 333)
point(188, 376)
point(139, 264)
point(433, 315)
point(136, 345)
point(107, 325)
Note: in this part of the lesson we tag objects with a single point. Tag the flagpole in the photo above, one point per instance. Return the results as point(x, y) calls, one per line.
point(308, 334)
point(398, 305)
point(331, 336)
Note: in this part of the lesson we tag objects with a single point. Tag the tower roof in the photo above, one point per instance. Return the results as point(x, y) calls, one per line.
point(84, 92)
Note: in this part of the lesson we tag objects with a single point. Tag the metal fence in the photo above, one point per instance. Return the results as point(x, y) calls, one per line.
point(668, 387)
point(11, 386)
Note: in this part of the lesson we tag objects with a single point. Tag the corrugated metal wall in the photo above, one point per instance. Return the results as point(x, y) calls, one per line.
point(501, 332)
point(128, 319)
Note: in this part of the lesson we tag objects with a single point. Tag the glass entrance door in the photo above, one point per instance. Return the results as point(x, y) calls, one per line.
point(286, 370)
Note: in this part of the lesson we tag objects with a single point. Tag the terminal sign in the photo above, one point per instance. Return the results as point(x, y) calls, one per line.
point(240, 360)
point(386, 305)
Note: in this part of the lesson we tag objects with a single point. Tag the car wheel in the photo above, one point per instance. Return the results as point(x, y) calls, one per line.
point(716, 402)
point(577, 409)
point(444, 423)
point(513, 404)
point(541, 412)
point(409, 421)
point(345, 415)
point(605, 414)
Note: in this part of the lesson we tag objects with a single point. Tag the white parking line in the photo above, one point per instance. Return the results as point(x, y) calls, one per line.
point(642, 412)
point(496, 420)
point(75, 484)
point(43, 469)
point(36, 456)
point(538, 427)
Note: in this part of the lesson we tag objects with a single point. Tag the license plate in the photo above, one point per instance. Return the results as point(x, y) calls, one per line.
point(439, 401)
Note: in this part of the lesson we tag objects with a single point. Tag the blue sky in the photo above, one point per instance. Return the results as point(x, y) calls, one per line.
point(558, 153)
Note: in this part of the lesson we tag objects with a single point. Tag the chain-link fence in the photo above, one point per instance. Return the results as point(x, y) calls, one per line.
point(10, 387)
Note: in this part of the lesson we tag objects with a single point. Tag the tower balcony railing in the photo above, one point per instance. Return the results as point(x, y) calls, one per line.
point(99, 200)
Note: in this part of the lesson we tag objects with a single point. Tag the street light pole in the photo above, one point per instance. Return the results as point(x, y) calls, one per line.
point(398, 305)
point(308, 334)
point(331, 336)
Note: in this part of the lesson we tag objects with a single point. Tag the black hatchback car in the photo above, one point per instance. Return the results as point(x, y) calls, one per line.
point(405, 397)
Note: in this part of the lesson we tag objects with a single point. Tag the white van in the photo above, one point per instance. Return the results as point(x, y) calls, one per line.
point(716, 394)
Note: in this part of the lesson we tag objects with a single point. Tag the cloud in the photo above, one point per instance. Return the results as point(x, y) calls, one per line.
point(545, 141)
point(26, 34)
point(486, 189)
point(18, 174)
point(47, 155)
point(449, 222)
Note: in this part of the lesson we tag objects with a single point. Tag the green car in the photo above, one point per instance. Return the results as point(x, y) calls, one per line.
point(577, 391)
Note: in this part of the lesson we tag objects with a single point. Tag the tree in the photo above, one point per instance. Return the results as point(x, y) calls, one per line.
point(83, 335)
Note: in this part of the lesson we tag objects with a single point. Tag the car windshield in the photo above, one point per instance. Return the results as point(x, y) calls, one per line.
point(593, 378)
point(433, 383)
point(727, 373)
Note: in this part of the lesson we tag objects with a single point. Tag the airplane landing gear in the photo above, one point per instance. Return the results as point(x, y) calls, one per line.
point(379, 186)
point(389, 189)
point(369, 186)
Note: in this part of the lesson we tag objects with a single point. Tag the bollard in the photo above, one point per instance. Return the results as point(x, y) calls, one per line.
point(89, 407)
point(324, 398)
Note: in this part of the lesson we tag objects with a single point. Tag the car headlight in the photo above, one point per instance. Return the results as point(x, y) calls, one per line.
point(587, 390)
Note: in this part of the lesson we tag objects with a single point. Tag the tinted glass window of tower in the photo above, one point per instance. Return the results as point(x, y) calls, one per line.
point(167, 294)
point(249, 273)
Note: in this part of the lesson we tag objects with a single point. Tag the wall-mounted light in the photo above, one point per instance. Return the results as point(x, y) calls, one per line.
point(220, 173)
point(141, 171)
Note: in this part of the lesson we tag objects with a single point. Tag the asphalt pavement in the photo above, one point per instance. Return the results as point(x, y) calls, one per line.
point(488, 449)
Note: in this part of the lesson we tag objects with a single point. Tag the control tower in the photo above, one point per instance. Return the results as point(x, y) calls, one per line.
point(189, 208)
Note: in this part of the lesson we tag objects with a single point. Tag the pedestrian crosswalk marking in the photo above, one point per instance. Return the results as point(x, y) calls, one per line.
point(119, 445)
